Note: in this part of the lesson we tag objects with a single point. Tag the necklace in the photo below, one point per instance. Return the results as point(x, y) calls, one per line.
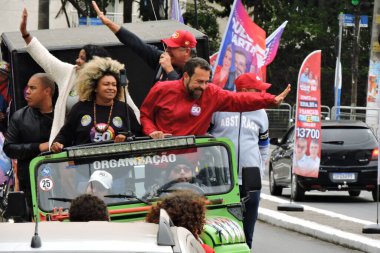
point(102, 130)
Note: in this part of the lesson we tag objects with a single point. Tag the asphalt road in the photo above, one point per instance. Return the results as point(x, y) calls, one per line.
point(271, 239)
point(361, 207)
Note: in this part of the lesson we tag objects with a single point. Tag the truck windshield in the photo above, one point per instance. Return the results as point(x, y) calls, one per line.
point(132, 178)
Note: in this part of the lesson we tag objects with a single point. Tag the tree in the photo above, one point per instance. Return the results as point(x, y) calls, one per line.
point(313, 25)
point(206, 21)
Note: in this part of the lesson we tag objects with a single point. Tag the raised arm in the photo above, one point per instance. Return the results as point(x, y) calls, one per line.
point(149, 53)
point(278, 99)
point(57, 69)
point(106, 21)
point(24, 32)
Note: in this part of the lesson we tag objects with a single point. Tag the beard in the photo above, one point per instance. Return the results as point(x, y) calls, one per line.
point(195, 93)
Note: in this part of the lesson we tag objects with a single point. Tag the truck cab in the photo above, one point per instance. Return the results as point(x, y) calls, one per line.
point(137, 174)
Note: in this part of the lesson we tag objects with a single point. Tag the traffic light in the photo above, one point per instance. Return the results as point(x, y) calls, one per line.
point(355, 2)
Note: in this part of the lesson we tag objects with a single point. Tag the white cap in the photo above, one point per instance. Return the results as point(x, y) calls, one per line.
point(102, 177)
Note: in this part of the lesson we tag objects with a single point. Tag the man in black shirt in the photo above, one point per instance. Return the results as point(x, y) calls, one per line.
point(169, 64)
point(29, 128)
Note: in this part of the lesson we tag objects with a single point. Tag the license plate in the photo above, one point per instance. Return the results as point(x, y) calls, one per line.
point(343, 176)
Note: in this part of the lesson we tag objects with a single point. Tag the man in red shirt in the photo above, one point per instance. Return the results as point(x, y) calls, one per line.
point(185, 106)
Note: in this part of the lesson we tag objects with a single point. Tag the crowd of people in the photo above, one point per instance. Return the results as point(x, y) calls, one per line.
point(94, 106)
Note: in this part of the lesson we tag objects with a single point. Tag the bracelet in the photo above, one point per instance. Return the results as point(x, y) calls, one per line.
point(26, 35)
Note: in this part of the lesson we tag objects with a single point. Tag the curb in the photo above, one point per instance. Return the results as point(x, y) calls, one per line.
point(322, 232)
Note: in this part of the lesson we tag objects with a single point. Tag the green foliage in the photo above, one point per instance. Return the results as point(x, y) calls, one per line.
point(206, 18)
point(206, 21)
point(355, 2)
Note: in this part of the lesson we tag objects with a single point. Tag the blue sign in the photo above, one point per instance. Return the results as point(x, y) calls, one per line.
point(349, 20)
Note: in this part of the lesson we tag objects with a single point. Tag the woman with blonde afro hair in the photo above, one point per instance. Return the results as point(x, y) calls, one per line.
point(186, 209)
point(101, 114)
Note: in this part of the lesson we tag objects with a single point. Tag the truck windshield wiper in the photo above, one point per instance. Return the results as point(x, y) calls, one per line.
point(334, 142)
point(127, 196)
point(61, 199)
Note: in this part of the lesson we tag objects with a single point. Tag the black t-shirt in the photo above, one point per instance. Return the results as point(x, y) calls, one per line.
point(80, 129)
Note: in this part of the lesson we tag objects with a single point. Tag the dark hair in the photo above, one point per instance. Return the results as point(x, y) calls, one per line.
point(196, 62)
point(185, 208)
point(87, 207)
point(94, 50)
point(46, 81)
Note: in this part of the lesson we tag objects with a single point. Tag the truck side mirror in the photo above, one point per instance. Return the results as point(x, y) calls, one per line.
point(16, 208)
point(251, 179)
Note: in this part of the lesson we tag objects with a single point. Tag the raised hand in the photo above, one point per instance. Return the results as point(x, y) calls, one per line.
point(111, 25)
point(100, 14)
point(24, 21)
point(280, 98)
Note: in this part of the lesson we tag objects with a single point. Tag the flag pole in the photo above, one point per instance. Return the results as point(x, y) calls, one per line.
point(196, 14)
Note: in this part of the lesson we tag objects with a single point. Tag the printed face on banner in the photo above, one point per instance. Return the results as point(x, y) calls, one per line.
point(242, 49)
point(308, 118)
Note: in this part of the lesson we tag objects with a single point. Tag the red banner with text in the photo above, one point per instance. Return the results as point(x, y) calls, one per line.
point(307, 148)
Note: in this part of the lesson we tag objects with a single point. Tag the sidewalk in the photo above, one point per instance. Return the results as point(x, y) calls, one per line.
point(324, 225)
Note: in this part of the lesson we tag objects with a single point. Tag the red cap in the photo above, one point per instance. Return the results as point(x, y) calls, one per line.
point(251, 81)
point(181, 38)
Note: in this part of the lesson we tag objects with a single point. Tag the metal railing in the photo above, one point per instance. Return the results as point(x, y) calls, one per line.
point(279, 120)
point(370, 115)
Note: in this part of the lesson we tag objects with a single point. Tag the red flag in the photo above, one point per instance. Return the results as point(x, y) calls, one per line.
point(242, 49)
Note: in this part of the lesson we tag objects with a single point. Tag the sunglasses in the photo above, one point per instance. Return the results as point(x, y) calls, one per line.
point(179, 168)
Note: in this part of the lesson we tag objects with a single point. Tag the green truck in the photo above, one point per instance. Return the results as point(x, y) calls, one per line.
point(139, 174)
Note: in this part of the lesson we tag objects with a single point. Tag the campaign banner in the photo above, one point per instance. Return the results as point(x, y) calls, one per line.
point(373, 94)
point(272, 43)
point(176, 13)
point(242, 49)
point(5, 162)
point(307, 147)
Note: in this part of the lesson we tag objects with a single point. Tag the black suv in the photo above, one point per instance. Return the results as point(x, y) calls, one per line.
point(349, 161)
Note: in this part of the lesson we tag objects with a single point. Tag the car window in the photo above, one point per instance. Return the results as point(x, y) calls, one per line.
point(349, 135)
point(118, 178)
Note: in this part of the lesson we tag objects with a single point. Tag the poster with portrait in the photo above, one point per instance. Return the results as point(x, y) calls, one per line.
point(307, 148)
point(242, 49)
point(5, 162)
point(373, 94)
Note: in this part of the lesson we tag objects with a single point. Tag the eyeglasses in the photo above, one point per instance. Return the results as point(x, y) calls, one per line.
point(180, 168)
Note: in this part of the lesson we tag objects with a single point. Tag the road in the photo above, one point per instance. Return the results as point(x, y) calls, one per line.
point(271, 239)
point(361, 207)
point(268, 238)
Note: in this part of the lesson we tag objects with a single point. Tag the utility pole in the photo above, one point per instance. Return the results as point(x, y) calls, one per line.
point(338, 70)
point(355, 57)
